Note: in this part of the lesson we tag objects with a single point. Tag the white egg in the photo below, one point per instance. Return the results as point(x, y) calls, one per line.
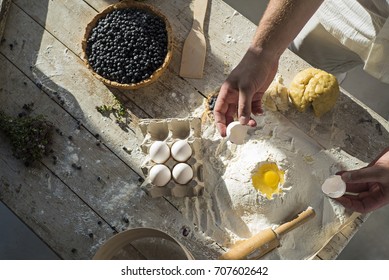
point(159, 152)
point(182, 173)
point(181, 150)
point(334, 186)
point(160, 175)
point(236, 132)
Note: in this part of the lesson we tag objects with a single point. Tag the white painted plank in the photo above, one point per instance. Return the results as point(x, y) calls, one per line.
point(117, 192)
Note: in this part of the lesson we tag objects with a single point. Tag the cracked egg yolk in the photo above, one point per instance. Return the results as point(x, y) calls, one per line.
point(267, 179)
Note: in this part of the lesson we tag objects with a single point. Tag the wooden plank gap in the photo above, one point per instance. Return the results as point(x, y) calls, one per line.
point(136, 105)
point(90, 6)
point(78, 196)
point(186, 81)
point(4, 7)
point(48, 31)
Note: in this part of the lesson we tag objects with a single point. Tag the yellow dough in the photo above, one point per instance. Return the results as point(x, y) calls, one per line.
point(275, 98)
point(314, 87)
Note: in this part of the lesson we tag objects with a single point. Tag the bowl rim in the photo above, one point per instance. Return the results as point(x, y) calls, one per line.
point(124, 5)
point(114, 244)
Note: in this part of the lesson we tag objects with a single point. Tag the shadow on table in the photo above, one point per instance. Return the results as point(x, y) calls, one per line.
point(18, 241)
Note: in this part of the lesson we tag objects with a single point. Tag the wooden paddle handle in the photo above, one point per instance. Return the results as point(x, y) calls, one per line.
point(254, 247)
point(199, 11)
point(303, 217)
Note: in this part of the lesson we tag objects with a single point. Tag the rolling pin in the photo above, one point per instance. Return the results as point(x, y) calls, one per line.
point(266, 240)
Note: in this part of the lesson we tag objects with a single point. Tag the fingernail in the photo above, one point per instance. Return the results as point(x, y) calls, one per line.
point(243, 120)
point(346, 176)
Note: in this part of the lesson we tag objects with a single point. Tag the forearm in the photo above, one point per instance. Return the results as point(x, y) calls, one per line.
point(280, 24)
point(242, 91)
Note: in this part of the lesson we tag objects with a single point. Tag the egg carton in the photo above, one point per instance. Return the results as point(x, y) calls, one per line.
point(171, 130)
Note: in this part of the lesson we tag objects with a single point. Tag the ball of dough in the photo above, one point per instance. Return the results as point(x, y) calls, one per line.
point(276, 97)
point(181, 150)
point(182, 173)
point(160, 175)
point(314, 87)
point(159, 152)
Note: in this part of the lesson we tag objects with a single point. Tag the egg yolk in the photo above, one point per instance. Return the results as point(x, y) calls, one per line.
point(267, 179)
point(271, 178)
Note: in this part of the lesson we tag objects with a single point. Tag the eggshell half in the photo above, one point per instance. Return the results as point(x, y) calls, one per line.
point(334, 186)
point(236, 132)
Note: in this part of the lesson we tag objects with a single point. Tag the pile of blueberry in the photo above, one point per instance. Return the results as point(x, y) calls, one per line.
point(127, 45)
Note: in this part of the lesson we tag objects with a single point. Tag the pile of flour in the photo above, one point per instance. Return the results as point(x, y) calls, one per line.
point(232, 209)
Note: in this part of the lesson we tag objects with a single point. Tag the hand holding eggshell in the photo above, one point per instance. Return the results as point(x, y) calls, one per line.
point(334, 186)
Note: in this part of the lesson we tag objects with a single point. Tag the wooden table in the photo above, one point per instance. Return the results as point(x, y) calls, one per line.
point(75, 210)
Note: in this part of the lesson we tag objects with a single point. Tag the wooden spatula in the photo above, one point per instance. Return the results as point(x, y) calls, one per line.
point(195, 47)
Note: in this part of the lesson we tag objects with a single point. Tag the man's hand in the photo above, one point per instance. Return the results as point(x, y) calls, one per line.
point(240, 95)
point(372, 184)
point(241, 92)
